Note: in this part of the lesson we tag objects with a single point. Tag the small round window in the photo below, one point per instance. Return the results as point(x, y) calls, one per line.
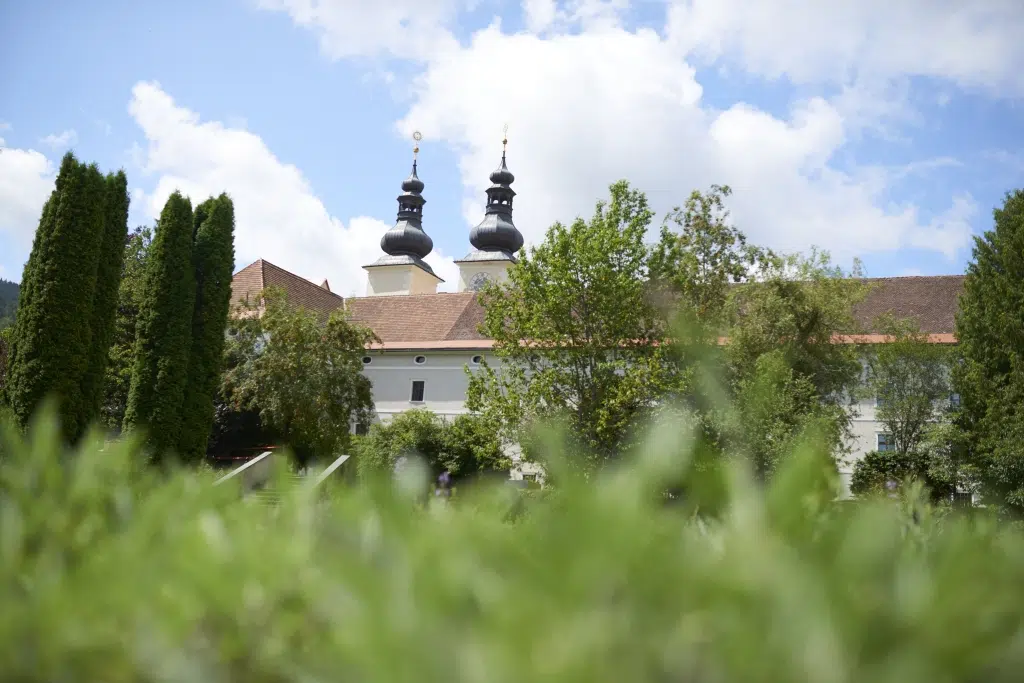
point(477, 359)
point(367, 360)
point(419, 360)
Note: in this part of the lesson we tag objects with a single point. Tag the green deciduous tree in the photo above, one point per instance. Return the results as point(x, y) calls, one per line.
point(164, 330)
point(990, 378)
point(214, 255)
point(783, 366)
point(699, 259)
point(580, 302)
point(909, 377)
point(304, 376)
point(54, 343)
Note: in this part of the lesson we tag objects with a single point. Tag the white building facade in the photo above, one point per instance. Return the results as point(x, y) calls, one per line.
point(430, 340)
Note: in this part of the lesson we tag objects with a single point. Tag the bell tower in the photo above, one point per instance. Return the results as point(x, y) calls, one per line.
point(402, 269)
point(496, 240)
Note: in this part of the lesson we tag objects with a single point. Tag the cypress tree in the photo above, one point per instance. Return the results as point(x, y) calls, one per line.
point(213, 254)
point(105, 295)
point(990, 378)
point(164, 330)
point(53, 332)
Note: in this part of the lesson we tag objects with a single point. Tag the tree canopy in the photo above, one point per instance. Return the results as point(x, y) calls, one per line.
point(580, 301)
point(66, 299)
point(303, 375)
point(464, 446)
point(990, 373)
point(909, 378)
point(164, 330)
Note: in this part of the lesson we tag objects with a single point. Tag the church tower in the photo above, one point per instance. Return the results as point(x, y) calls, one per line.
point(496, 240)
point(402, 269)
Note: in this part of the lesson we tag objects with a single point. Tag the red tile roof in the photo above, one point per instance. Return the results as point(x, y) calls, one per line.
point(257, 276)
point(931, 300)
point(452, 321)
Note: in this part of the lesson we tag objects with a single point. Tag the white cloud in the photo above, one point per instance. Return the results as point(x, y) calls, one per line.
point(539, 14)
point(62, 140)
point(411, 29)
point(580, 118)
point(589, 103)
point(4, 125)
point(975, 44)
point(26, 180)
point(278, 216)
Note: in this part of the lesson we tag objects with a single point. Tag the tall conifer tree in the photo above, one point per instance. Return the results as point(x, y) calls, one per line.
point(105, 295)
point(164, 331)
point(990, 380)
point(214, 255)
point(53, 334)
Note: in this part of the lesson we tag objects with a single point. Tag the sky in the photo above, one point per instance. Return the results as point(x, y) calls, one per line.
point(877, 130)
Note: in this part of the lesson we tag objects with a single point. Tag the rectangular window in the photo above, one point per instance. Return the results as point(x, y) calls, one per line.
point(879, 401)
point(417, 391)
point(954, 400)
point(885, 443)
point(362, 428)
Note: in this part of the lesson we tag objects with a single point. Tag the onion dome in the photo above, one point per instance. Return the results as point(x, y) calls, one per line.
point(407, 238)
point(497, 232)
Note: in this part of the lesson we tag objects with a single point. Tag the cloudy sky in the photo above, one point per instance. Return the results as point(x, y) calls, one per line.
point(875, 129)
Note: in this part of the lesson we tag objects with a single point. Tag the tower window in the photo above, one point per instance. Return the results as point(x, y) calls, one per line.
point(417, 391)
point(419, 360)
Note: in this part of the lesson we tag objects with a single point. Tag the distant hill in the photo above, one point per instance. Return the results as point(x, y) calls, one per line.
point(8, 301)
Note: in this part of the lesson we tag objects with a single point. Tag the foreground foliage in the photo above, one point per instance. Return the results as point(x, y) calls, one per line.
point(601, 582)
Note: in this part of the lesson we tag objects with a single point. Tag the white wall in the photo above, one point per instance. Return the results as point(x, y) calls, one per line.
point(397, 280)
point(443, 373)
point(446, 383)
point(497, 271)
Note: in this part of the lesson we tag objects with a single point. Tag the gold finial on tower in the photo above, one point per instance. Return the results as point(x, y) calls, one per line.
point(416, 136)
point(504, 139)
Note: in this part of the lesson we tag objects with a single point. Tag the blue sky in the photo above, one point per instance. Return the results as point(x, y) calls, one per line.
point(887, 136)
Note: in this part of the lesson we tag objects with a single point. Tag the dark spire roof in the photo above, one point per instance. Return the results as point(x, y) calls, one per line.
point(407, 237)
point(497, 232)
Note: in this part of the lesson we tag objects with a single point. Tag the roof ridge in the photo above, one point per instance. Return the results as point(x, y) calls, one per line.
point(916, 277)
point(298, 277)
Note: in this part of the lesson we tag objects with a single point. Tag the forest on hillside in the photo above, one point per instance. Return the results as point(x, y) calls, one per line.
point(8, 302)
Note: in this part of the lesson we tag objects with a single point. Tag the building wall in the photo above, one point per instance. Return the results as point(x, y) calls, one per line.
point(446, 383)
point(496, 270)
point(443, 374)
point(396, 280)
point(444, 390)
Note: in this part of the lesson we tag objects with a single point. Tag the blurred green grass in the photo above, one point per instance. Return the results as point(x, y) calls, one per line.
point(115, 571)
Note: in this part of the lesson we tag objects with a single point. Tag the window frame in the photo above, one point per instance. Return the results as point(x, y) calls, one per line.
point(888, 446)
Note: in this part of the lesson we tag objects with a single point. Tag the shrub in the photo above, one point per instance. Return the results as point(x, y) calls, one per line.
point(465, 446)
point(112, 571)
point(877, 468)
